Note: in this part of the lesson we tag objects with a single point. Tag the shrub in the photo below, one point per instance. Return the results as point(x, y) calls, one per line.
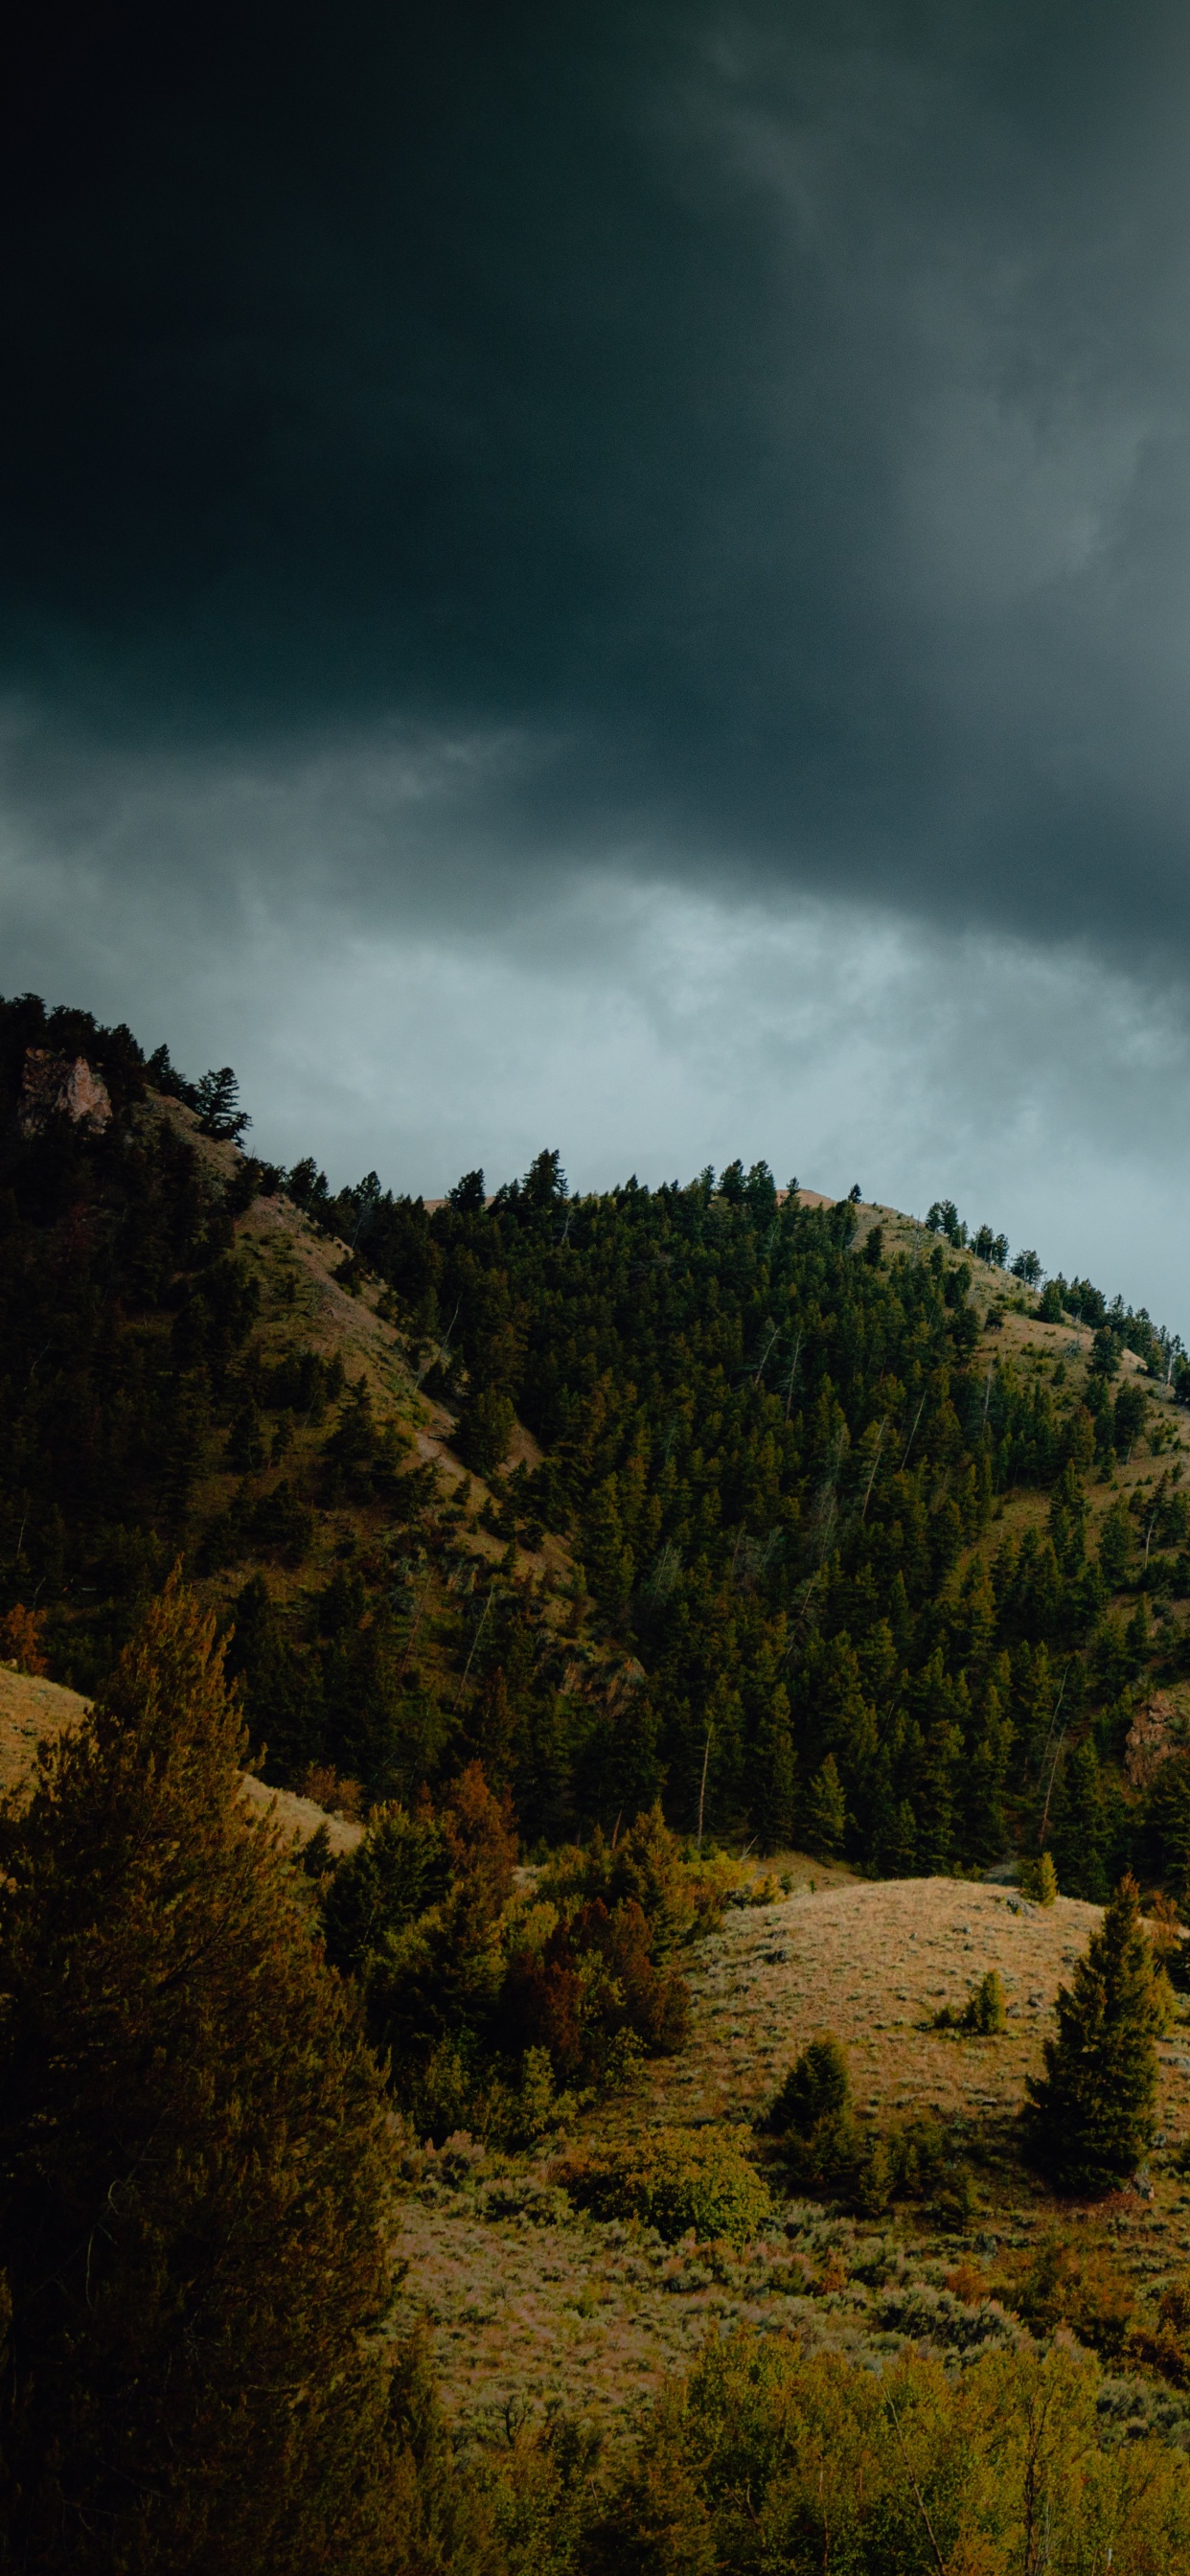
point(20, 1639)
point(984, 2014)
point(592, 1983)
point(1039, 1879)
point(770, 2456)
point(1060, 2284)
point(399, 1871)
point(674, 2180)
point(678, 1900)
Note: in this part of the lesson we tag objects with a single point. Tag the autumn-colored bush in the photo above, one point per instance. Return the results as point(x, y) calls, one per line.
point(20, 1639)
point(491, 2005)
point(679, 1898)
point(592, 1981)
point(1061, 2282)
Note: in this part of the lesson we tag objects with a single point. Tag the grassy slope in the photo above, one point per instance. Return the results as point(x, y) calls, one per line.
point(526, 2313)
point(524, 2316)
point(33, 1710)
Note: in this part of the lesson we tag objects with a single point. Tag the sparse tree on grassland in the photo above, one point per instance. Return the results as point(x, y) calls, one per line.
point(1089, 2119)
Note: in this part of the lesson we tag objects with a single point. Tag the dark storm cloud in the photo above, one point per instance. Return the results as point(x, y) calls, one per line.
point(769, 424)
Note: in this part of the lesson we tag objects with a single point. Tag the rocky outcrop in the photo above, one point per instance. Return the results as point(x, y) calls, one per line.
point(61, 1085)
point(1157, 1730)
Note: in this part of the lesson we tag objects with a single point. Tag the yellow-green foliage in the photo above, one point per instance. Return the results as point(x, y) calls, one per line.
point(1039, 1879)
point(674, 2181)
point(985, 2013)
point(771, 2457)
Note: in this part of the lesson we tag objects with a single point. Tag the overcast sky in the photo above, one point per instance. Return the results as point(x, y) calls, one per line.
point(618, 577)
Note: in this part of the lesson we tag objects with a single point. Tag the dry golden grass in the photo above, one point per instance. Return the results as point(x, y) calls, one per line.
point(525, 2314)
point(871, 1962)
point(33, 1709)
point(30, 1709)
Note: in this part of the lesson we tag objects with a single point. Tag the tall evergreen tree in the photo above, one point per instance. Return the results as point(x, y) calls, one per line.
point(1079, 1828)
point(825, 1810)
point(1089, 2119)
point(193, 2171)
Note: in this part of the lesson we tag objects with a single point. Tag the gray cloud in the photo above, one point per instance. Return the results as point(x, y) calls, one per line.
point(637, 1021)
point(629, 560)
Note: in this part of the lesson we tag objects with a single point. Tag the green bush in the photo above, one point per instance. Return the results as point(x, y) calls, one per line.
point(985, 2013)
point(1039, 1879)
point(674, 2181)
point(769, 2456)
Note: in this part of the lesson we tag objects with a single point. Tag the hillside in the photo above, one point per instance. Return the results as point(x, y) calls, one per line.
point(683, 1608)
point(34, 1711)
point(793, 1511)
point(532, 2305)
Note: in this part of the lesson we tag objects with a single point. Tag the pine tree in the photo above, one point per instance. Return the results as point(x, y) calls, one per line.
point(777, 1767)
point(1089, 2119)
point(193, 2172)
point(817, 2087)
point(1080, 1828)
point(216, 1099)
point(1039, 1879)
point(485, 1429)
point(826, 1810)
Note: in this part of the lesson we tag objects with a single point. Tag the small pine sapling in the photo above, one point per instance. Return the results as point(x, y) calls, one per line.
point(985, 2013)
point(812, 2114)
point(1039, 1879)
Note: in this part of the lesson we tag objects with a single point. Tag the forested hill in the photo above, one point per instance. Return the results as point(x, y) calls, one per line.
point(819, 1523)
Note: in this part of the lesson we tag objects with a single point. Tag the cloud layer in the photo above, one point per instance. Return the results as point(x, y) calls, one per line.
point(624, 562)
point(637, 1021)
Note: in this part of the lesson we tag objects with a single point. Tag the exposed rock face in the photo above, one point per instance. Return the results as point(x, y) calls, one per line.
point(1157, 1730)
point(59, 1083)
